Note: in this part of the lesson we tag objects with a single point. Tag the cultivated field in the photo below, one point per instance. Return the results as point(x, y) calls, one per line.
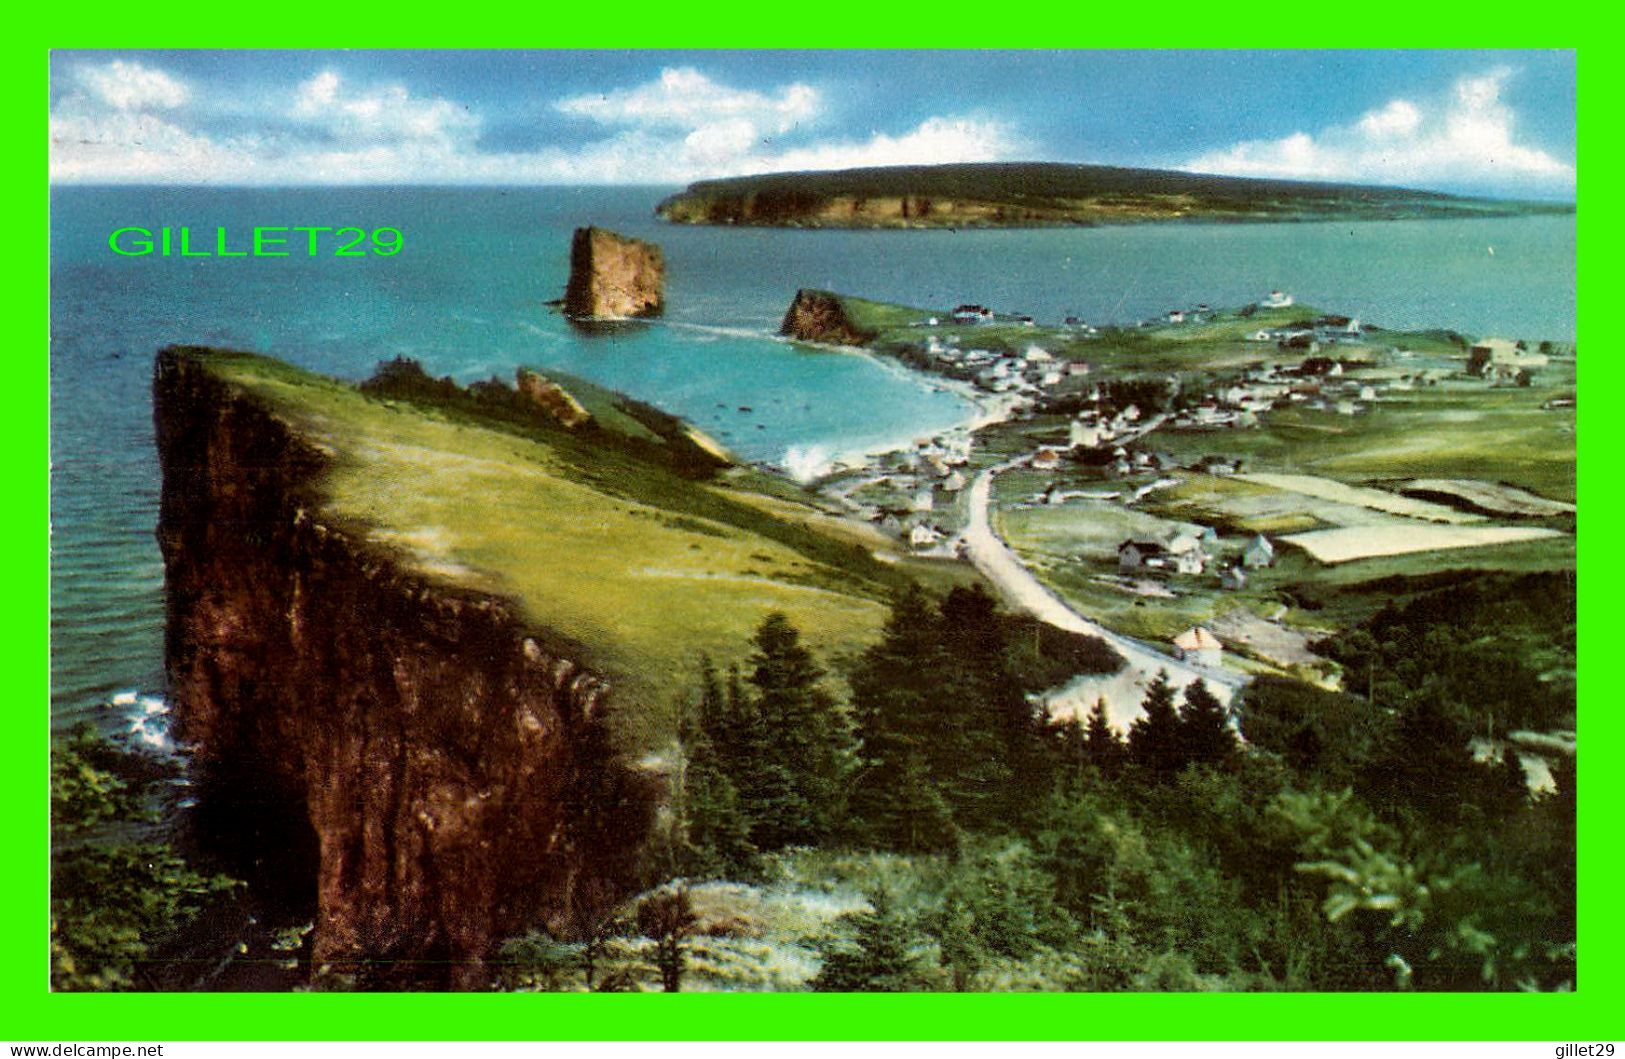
point(1360, 496)
point(1364, 542)
point(1488, 496)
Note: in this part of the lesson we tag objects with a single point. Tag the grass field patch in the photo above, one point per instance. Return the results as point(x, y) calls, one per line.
point(1364, 542)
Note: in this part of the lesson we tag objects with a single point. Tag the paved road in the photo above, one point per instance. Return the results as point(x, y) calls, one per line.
point(1021, 589)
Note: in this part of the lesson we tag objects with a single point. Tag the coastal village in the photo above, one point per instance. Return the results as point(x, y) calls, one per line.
point(1133, 473)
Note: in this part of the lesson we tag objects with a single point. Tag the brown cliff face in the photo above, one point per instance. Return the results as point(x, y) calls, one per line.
point(612, 276)
point(414, 756)
point(817, 316)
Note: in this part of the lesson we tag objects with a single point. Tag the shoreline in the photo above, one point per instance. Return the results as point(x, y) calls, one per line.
point(990, 409)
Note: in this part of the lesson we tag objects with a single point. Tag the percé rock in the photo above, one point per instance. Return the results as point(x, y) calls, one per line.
point(612, 276)
point(554, 400)
point(817, 316)
point(407, 754)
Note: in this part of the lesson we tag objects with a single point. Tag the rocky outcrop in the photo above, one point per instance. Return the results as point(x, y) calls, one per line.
point(612, 276)
point(817, 316)
point(435, 771)
point(554, 400)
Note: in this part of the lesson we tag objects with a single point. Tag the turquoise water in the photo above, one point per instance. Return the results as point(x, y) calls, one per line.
point(468, 294)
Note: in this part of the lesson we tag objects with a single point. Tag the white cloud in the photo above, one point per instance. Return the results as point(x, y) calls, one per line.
point(933, 141)
point(129, 146)
point(381, 114)
point(129, 86)
point(683, 125)
point(686, 98)
point(126, 123)
point(1466, 138)
point(1398, 118)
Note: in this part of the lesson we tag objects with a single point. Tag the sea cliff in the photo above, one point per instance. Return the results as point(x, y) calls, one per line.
point(433, 767)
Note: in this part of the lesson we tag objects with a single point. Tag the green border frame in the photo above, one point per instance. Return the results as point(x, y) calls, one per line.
point(31, 1012)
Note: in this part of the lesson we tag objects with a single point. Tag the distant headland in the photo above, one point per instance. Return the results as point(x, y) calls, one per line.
point(1044, 194)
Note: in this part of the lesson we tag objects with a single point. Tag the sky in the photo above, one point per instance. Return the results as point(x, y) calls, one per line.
point(1475, 122)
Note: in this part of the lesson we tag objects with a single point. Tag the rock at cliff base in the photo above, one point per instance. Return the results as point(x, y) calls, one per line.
point(554, 400)
point(612, 276)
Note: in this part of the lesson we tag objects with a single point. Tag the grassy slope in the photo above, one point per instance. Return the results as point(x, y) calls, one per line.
point(638, 569)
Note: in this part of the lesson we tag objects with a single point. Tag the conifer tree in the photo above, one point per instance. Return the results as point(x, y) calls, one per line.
point(1155, 740)
point(667, 917)
point(1101, 744)
point(983, 718)
point(715, 831)
point(895, 691)
point(880, 959)
point(893, 685)
point(916, 818)
point(1204, 727)
point(793, 792)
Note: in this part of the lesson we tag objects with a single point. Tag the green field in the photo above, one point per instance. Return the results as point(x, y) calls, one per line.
point(634, 567)
point(1455, 429)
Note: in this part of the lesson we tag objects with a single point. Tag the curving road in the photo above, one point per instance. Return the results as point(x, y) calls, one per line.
point(1021, 589)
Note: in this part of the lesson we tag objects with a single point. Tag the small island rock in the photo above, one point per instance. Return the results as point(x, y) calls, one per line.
point(613, 277)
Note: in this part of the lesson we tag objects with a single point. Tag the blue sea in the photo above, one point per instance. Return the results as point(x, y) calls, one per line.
point(468, 297)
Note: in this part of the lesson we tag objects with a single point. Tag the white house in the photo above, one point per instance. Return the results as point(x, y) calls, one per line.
point(1259, 552)
point(1080, 436)
point(1185, 550)
point(1497, 359)
point(923, 536)
point(1198, 645)
point(1276, 300)
point(1193, 561)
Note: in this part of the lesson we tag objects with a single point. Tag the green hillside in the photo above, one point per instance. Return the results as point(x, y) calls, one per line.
point(633, 562)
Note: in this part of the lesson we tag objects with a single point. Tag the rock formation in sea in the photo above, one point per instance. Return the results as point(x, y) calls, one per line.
point(435, 769)
point(817, 316)
point(613, 276)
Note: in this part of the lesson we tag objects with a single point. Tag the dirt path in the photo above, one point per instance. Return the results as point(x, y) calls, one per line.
point(1021, 589)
